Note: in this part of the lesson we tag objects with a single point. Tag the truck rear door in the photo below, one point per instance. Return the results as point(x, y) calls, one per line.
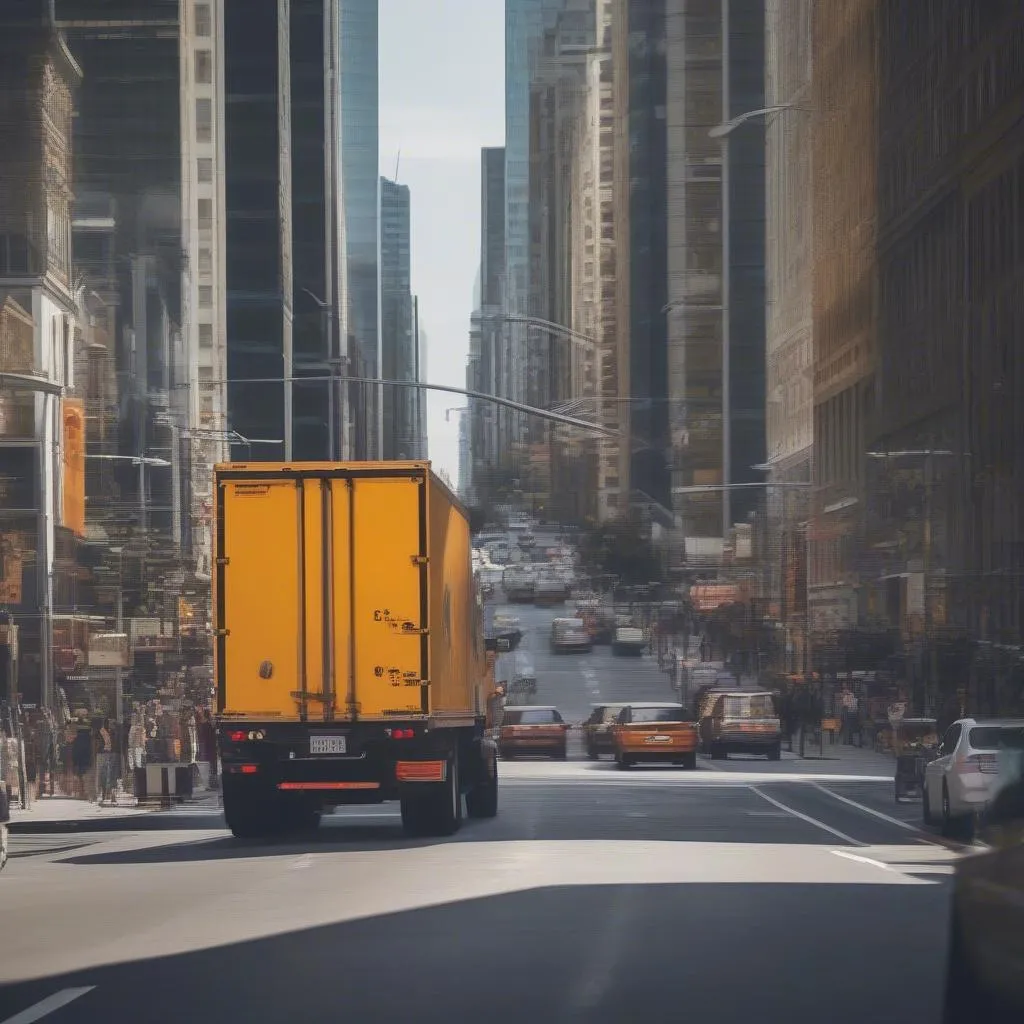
point(380, 531)
point(322, 593)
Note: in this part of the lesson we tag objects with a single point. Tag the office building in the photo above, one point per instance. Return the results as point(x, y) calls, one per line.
point(361, 204)
point(946, 476)
point(320, 318)
point(399, 349)
point(789, 339)
point(43, 508)
point(844, 154)
point(561, 359)
point(258, 226)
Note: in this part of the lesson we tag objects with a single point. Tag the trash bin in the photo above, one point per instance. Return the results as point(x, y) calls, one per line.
point(164, 783)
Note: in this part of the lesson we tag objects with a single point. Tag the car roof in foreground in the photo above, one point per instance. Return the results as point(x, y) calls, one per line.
point(995, 723)
point(650, 704)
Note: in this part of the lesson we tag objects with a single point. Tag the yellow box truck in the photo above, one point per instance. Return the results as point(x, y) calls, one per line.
point(350, 660)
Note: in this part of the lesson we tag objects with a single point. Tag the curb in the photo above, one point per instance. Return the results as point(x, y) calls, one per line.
point(154, 818)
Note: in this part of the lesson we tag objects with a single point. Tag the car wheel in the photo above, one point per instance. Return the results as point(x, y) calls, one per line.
point(689, 761)
point(625, 762)
point(926, 807)
point(592, 754)
point(775, 754)
point(4, 846)
point(948, 822)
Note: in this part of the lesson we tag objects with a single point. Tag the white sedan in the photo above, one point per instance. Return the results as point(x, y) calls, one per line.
point(969, 769)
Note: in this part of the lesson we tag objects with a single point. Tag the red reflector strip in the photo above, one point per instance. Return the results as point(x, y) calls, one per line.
point(421, 771)
point(242, 769)
point(328, 785)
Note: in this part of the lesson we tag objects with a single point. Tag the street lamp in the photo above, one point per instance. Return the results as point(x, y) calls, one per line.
point(720, 131)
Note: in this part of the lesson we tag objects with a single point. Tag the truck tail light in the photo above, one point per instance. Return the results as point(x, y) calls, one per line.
point(242, 769)
point(402, 734)
point(245, 735)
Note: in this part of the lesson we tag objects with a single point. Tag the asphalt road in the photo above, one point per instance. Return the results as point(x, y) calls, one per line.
point(744, 891)
point(573, 682)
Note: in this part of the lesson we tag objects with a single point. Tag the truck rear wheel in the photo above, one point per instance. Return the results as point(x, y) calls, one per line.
point(434, 809)
point(247, 816)
point(482, 799)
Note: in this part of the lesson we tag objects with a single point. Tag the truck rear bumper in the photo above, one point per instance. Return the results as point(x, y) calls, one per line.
point(368, 763)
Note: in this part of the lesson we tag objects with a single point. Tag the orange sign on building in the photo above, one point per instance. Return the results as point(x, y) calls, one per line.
point(73, 482)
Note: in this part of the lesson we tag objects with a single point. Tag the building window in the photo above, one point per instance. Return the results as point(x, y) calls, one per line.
point(205, 261)
point(206, 335)
point(204, 67)
point(205, 374)
point(206, 296)
point(205, 208)
point(203, 21)
point(204, 169)
point(204, 120)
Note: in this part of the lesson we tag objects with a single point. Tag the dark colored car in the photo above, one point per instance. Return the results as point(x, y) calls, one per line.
point(985, 969)
point(597, 730)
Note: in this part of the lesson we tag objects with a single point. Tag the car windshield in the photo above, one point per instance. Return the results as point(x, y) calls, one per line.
point(610, 714)
point(758, 705)
point(996, 737)
point(673, 714)
point(532, 716)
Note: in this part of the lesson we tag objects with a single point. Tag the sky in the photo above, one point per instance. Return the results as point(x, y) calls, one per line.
point(442, 98)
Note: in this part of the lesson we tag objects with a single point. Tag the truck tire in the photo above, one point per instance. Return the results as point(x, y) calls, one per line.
point(300, 819)
point(248, 816)
point(482, 799)
point(434, 809)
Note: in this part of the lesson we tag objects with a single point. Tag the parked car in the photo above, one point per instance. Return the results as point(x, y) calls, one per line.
point(963, 778)
point(985, 964)
point(655, 731)
point(532, 729)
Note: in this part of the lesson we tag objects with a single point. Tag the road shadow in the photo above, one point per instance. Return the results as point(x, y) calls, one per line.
point(589, 953)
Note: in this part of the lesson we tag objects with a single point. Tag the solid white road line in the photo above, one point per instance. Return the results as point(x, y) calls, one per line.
point(806, 817)
point(862, 860)
point(868, 810)
point(47, 1006)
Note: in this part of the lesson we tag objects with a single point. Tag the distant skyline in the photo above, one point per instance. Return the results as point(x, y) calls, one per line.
point(442, 99)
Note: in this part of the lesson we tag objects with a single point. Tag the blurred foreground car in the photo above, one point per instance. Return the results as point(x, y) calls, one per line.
point(532, 729)
point(965, 774)
point(597, 730)
point(655, 732)
point(985, 969)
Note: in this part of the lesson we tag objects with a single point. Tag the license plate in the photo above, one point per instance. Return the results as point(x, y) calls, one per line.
point(659, 739)
point(327, 745)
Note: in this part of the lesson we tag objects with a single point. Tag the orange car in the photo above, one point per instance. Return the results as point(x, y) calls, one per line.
point(532, 729)
point(655, 732)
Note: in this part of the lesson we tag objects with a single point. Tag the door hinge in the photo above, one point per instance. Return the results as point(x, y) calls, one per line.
point(223, 561)
point(420, 559)
point(222, 632)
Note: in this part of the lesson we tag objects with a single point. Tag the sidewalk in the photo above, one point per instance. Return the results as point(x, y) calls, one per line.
point(63, 814)
point(838, 755)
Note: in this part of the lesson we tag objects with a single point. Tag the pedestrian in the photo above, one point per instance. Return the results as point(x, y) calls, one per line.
point(81, 756)
point(104, 762)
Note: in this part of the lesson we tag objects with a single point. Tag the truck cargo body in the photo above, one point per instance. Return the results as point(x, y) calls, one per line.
point(349, 656)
